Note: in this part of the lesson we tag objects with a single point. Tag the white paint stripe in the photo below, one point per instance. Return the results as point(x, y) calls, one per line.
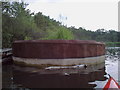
point(70, 61)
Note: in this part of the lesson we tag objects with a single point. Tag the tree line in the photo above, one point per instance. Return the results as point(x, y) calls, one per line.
point(19, 23)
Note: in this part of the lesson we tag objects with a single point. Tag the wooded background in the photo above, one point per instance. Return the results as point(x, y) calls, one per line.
point(19, 23)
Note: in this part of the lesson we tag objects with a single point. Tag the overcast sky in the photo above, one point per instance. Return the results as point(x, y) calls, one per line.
point(89, 14)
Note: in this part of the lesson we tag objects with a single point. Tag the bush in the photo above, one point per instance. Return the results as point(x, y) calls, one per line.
point(61, 33)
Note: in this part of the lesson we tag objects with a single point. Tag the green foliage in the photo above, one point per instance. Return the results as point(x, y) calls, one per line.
point(98, 35)
point(61, 33)
point(17, 23)
point(113, 44)
point(28, 38)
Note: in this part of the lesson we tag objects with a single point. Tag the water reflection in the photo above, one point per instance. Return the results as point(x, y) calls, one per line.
point(63, 78)
point(112, 62)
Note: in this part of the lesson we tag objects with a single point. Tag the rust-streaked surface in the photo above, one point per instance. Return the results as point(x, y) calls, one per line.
point(57, 49)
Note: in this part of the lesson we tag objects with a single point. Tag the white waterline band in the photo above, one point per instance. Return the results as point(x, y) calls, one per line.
point(70, 61)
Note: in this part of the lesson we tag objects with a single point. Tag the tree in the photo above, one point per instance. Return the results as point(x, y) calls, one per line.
point(17, 22)
point(61, 33)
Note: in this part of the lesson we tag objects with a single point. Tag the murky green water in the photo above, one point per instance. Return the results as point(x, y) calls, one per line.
point(94, 76)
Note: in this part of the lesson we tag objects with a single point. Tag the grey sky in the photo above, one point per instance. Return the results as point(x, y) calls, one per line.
point(91, 15)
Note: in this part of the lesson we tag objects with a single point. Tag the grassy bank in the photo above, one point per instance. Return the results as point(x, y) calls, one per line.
point(112, 44)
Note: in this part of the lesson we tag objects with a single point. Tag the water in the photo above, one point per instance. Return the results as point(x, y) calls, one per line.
point(93, 77)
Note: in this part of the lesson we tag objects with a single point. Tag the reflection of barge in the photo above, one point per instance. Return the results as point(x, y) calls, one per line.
point(58, 52)
point(63, 78)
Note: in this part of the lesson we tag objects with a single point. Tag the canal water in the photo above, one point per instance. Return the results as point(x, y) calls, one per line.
point(94, 76)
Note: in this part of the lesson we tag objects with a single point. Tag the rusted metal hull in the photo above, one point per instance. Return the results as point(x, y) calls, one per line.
point(57, 49)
